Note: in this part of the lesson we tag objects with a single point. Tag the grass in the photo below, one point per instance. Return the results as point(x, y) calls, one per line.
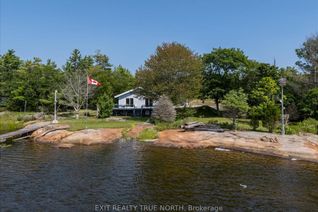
point(306, 126)
point(9, 121)
point(148, 134)
point(93, 123)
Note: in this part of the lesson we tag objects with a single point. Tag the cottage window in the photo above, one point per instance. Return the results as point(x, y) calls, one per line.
point(148, 102)
point(129, 102)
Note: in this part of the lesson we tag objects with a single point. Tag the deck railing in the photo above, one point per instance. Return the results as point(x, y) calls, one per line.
point(116, 106)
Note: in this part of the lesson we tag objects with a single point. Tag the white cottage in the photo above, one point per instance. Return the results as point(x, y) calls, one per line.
point(130, 104)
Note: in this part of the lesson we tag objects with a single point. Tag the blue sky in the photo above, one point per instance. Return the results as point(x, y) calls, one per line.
point(128, 31)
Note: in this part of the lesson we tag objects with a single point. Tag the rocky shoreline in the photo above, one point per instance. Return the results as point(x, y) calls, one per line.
point(304, 147)
point(296, 147)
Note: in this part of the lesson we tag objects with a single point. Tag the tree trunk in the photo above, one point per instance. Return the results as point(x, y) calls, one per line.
point(217, 105)
point(97, 111)
point(234, 123)
point(77, 113)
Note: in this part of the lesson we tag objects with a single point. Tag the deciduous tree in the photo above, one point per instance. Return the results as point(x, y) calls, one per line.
point(308, 58)
point(174, 70)
point(223, 71)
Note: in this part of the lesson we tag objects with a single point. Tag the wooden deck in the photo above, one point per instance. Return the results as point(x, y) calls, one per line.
point(23, 132)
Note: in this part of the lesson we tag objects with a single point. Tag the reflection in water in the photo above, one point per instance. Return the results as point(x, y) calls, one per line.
point(41, 177)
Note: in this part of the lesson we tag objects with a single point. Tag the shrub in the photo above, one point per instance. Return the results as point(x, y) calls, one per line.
point(185, 112)
point(105, 106)
point(270, 115)
point(164, 110)
point(202, 111)
point(254, 116)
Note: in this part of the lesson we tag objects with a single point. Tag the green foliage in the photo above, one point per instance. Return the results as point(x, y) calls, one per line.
point(105, 106)
point(308, 61)
point(174, 70)
point(122, 80)
point(147, 134)
point(264, 106)
point(164, 110)
point(255, 116)
point(9, 64)
point(222, 72)
point(270, 114)
point(202, 111)
point(33, 86)
point(236, 104)
point(185, 112)
point(310, 104)
point(307, 126)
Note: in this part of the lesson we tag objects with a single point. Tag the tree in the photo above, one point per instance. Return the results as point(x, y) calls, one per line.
point(270, 114)
point(174, 70)
point(33, 86)
point(308, 58)
point(236, 103)
point(255, 72)
point(101, 71)
point(164, 110)
point(75, 82)
point(310, 104)
point(9, 64)
point(223, 71)
point(105, 105)
point(122, 80)
point(263, 103)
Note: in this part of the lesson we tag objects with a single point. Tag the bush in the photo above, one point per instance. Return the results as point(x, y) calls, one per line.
point(164, 110)
point(254, 116)
point(202, 111)
point(185, 112)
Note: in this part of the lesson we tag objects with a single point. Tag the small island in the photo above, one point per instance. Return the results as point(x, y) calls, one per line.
point(158, 106)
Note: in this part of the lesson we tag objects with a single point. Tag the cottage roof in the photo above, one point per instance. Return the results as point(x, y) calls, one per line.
point(124, 93)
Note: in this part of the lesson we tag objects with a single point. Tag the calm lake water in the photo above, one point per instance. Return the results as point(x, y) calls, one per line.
point(37, 177)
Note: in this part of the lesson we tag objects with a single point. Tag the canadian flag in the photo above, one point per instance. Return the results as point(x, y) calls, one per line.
point(91, 81)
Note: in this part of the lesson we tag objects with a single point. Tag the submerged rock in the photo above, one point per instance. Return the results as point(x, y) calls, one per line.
point(65, 146)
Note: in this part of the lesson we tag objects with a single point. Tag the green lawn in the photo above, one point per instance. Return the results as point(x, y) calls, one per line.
point(93, 123)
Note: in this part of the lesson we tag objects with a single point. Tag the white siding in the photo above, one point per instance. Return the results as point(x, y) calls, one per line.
point(138, 101)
